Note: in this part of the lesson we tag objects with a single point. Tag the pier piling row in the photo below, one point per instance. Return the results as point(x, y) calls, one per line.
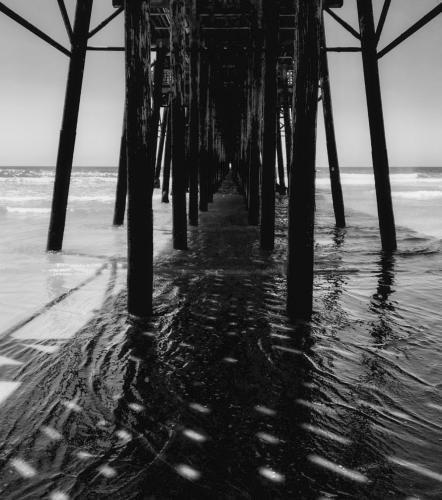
point(234, 87)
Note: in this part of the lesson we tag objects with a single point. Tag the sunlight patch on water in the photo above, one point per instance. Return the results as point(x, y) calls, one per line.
point(271, 475)
point(9, 362)
point(338, 469)
point(107, 471)
point(72, 406)
point(199, 408)
point(419, 469)
point(58, 495)
point(136, 407)
point(313, 405)
point(188, 472)
point(268, 438)
point(23, 468)
point(327, 434)
point(268, 412)
point(194, 435)
point(124, 436)
point(230, 360)
point(51, 433)
point(434, 406)
point(6, 389)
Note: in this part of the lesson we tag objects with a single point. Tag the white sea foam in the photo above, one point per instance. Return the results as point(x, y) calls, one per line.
point(417, 195)
point(364, 179)
point(28, 210)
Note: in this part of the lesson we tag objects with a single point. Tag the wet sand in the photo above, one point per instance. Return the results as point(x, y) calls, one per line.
point(220, 396)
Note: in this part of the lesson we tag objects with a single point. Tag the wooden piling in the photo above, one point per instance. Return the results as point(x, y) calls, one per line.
point(302, 171)
point(179, 177)
point(194, 150)
point(377, 128)
point(203, 133)
point(156, 108)
point(281, 174)
point(68, 130)
point(140, 172)
point(167, 158)
point(161, 147)
point(271, 29)
point(255, 127)
point(332, 150)
point(121, 191)
point(288, 132)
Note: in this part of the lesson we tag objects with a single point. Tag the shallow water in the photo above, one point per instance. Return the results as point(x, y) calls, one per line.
point(220, 396)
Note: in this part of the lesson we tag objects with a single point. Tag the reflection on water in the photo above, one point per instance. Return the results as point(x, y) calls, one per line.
point(220, 396)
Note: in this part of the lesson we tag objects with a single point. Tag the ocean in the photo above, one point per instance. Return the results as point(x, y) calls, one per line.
point(239, 403)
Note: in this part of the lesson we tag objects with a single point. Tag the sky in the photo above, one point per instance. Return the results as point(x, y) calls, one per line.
point(33, 79)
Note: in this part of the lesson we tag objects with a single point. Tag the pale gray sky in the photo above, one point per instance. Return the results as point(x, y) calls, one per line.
point(33, 74)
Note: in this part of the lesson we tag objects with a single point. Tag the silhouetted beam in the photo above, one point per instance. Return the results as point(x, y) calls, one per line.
point(343, 49)
point(33, 29)
point(66, 20)
point(343, 23)
point(139, 173)
point(332, 150)
point(68, 130)
point(377, 127)
point(106, 49)
point(121, 191)
point(302, 173)
point(382, 19)
point(270, 26)
point(411, 31)
point(104, 23)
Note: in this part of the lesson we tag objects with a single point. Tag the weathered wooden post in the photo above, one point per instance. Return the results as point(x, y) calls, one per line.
point(179, 184)
point(156, 109)
point(194, 150)
point(140, 172)
point(377, 128)
point(302, 171)
point(287, 130)
point(68, 130)
point(333, 162)
point(161, 146)
point(271, 30)
point(281, 175)
point(121, 191)
point(210, 135)
point(203, 132)
point(256, 116)
point(167, 158)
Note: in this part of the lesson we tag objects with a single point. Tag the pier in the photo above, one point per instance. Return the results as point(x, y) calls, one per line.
point(224, 72)
point(200, 359)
